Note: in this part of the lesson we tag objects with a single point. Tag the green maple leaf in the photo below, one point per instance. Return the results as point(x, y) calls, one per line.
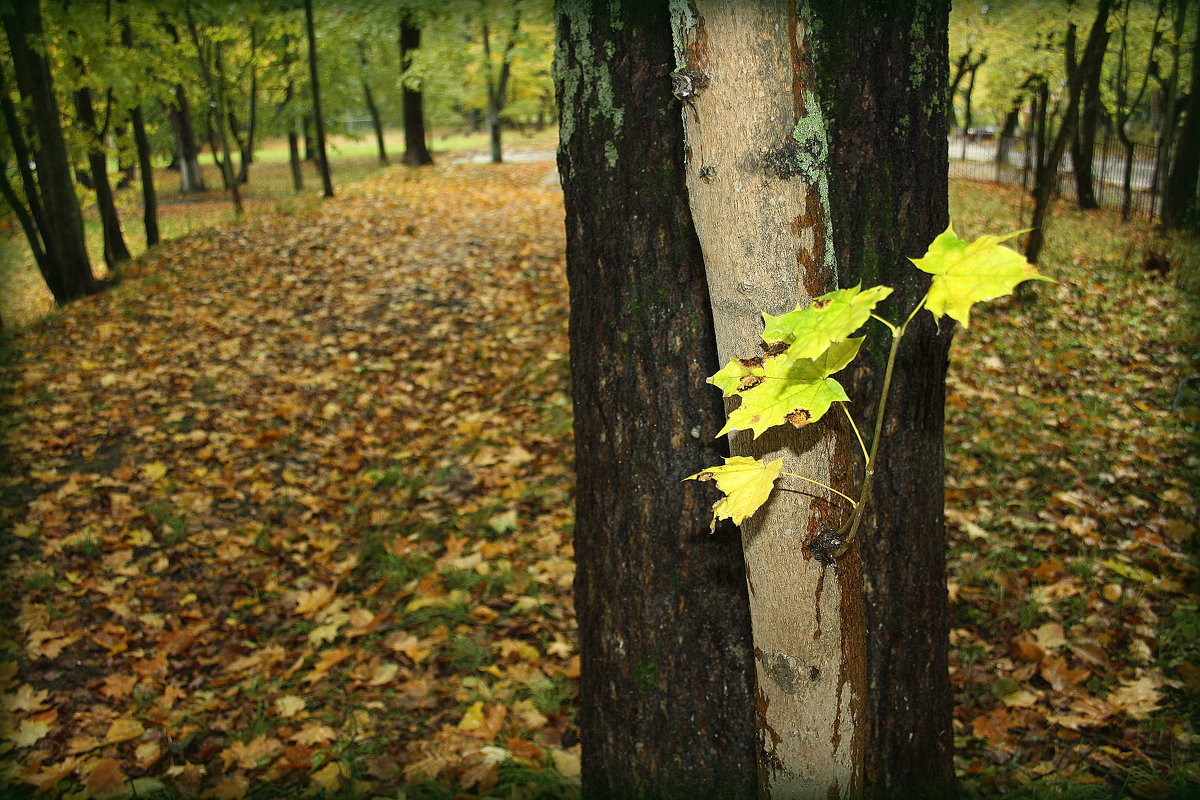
point(789, 389)
point(965, 273)
point(831, 318)
point(739, 375)
point(746, 482)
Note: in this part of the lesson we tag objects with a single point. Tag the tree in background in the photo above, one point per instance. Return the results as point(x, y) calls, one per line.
point(1179, 200)
point(836, 133)
point(51, 216)
point(315, 88)
point(416, 153)
point(145, 155)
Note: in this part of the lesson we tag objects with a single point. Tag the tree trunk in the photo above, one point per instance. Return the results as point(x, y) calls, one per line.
point(881, 90)
point(1179, 198)
point(214, 79)
point(781, 154)
point(1047, 174)
point(665, 693)
point(416, 154)
point(314, 80)
point(115, 249)
point(1083, 143)
point(69, 270)
point(372, 108)
point(497, 84)
point(191, 180)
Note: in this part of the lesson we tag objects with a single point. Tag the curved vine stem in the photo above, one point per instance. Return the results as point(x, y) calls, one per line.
point(857, 435)
point(848, 498)
point(850, 529)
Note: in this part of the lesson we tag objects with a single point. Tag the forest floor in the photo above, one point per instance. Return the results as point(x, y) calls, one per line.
point(288, 512)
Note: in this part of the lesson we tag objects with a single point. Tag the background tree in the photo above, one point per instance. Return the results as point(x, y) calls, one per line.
point(315, 88)
point(1179, 199)
point(416, 153)
point(54, 223)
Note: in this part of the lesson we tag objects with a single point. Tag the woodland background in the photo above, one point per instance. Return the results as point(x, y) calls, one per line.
point(286, 510)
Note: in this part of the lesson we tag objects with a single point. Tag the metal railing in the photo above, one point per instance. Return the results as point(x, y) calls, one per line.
point(982, 155)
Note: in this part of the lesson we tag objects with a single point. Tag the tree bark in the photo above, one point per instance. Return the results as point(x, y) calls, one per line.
point(1047, 174)
point(145, 167)
point(69, 270)
point(214, 79)
point(1083, 143)
point(882, 94)
point(497, 84)
point(665, 692)
point(1179, 199)
point(191, 180)
point(416, 153)
point(315, 82)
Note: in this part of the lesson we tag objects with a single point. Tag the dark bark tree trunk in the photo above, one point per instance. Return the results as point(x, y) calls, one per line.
point(416, 153)
point(882, 94)
point(315, 83)
point(666, 701)
point(1179, 198)
point(115, 249)
point(1083, 143)
point(68, 270)
point(960, 69)
point(144, 153)
point(191, 180)
point(1047, 174)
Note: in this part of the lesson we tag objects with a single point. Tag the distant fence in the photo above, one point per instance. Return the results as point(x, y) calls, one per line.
point(985, 156)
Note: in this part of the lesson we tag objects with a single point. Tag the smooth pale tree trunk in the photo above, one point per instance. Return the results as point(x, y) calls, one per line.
point(666, 707)
point(68, 271)
point(759, 194)
point(315, 84)
point(817, 160)
point(416, 153)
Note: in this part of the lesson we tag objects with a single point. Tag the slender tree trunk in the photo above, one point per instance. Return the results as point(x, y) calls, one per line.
point(1179, 198)
point(372, 108)
point(1047, 175)
point(145, 167)
point(315, 82)
point(115, 249)
point(293, 141)
point(416, 153)
point(310, 142)
point(69, 270)
point(960, 69)
point(497, 84)
point(665, 693)
point(215, 80)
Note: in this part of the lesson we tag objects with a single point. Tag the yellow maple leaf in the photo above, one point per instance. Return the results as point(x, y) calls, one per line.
point(330, 776)
point(289, 706)
point(123, 729)
point(154, 471)
point(29, 733)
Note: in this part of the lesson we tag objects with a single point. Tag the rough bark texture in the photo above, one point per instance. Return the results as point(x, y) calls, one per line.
point(758, 185)
point(1179, 200)
point(416, 153)
point(884, 97)
point(665, 694)
point(68, 271)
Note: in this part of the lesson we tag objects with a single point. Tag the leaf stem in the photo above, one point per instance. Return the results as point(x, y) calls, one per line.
point(857, 435)
point(851, 527)
point(823, 486)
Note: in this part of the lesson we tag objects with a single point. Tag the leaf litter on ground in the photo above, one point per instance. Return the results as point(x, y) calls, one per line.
point(288, 513)
point(291, 506)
